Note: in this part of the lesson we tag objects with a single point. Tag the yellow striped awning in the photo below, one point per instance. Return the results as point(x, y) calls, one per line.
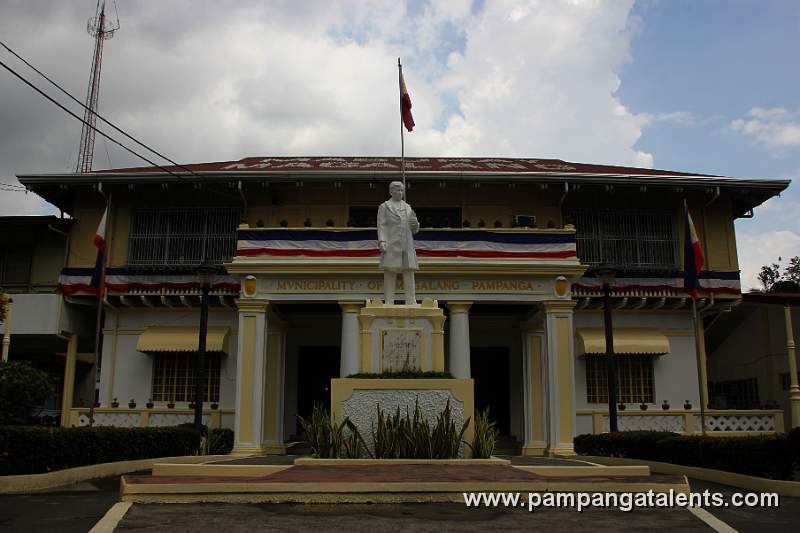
point(627, 341)
point(181, 339)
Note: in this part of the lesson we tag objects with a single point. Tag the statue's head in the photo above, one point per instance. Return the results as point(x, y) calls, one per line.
point(396, 189)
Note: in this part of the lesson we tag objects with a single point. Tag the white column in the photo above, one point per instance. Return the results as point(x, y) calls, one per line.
point(350, 357)
point(560, 372)
point(251, 370)
point(794, 389)
point(459, 339)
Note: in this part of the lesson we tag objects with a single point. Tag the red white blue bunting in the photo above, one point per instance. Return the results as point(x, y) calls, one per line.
point(428, 243)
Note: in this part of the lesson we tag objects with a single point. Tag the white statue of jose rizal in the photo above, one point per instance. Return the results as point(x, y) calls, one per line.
point(397, 223)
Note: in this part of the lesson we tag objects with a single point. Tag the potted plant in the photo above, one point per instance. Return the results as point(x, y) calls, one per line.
point(643, 406)
point(115, 403)
point(132, 404)
point(621, 406)
point(665, 405)
point(214, 405)
point(687, 405)
point(150, 403)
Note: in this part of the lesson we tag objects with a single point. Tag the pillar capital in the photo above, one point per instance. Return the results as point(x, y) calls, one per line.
point(253, 306)
point(459, 306)
point(559, 306)
point(351, 306)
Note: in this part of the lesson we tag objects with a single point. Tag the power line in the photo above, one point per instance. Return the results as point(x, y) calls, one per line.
point(73, 115)
point(98, 115)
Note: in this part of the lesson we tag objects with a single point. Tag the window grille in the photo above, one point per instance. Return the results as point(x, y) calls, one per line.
point(628, 238)
point(182, 235)
point(635, 380)
point(737, 393)
point(173, 377)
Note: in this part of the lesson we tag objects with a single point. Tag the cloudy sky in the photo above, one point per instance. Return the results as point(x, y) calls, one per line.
point(707, 86)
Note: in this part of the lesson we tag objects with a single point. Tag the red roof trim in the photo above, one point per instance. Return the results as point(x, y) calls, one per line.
point(413, 164)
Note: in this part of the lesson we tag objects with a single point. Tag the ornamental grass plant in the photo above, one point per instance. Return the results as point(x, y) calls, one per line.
point(486, 434)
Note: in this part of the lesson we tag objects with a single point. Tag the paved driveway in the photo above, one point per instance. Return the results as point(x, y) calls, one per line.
point(81, 506)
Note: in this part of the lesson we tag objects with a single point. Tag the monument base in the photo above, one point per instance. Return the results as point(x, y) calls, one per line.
point(402, 338)
point(357, 399)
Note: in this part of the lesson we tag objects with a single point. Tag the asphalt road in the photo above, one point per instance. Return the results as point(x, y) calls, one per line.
point(79, 507)
point(71, 509)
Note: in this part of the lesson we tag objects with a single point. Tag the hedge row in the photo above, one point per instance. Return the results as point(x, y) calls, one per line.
point(768, 456)
point(33, 450)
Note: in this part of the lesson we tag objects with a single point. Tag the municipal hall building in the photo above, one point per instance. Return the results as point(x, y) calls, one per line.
point(505, 250)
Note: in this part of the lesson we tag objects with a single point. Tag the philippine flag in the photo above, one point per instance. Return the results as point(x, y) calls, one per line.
point(405, 105)
point(693, 258)
point(100, 243)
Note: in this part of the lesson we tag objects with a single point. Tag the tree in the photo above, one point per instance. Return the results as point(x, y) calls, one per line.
point(769, 275)
point(773, 280)
point(792, 270)
point(22, 389)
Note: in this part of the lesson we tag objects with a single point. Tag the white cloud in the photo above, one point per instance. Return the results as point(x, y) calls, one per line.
point(761, 248)
point(206, 81)
point(776, 127)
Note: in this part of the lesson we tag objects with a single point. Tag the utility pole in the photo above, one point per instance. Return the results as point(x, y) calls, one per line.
point(101, 29)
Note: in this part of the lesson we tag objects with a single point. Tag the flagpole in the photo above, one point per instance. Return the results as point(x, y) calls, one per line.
point(402, 137)
point(99, 316)
point(697, 348)
point(700, 373)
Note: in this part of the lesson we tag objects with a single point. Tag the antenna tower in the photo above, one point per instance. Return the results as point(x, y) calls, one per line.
point(101, 29)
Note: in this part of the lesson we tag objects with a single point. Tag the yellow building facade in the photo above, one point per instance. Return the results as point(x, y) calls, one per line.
point(504, 250)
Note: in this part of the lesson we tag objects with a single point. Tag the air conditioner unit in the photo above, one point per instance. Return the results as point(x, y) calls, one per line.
point(525, 221)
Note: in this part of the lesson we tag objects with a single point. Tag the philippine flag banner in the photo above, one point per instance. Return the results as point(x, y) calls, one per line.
point(693, 258)
point(100, 243)
point(405, 105)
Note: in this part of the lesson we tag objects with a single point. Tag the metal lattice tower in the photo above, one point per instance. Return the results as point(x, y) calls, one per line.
point(101, 29)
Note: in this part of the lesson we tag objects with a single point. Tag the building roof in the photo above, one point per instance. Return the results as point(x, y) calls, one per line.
point(773, 298)
point(334, 168)
point(35, 220)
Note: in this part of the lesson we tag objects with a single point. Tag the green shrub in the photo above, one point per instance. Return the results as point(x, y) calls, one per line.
point(769, 456)
point(411, 374)
point(22, 389)
point(632, 444)
point(486, 434)
point(33, 450)
point(219, 441)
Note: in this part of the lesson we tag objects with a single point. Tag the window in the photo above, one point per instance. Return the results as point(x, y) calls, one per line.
point(736, 393)
point(182, 235)
point(429, 217)
point(626, 237)
point(635, 382)
point(173, 377)
point(15, 266)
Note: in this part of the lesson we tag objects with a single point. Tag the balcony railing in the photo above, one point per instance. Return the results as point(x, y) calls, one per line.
point(718, 421)
point(361, 244)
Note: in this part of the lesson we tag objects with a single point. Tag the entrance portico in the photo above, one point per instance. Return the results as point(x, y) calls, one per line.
point(532, 279)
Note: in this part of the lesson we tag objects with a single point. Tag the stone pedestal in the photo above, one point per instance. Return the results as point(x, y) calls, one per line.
point(357, 399)
point(397, 338)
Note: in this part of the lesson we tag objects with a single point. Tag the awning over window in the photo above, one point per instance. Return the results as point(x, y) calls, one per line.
point(181, 339)
point(627, 341)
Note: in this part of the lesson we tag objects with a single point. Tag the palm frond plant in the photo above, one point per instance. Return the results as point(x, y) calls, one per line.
point(486, 435)
point(325, 435)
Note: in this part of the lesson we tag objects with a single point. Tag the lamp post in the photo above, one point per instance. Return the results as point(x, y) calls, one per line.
point(605, 273)
point(206, 273)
